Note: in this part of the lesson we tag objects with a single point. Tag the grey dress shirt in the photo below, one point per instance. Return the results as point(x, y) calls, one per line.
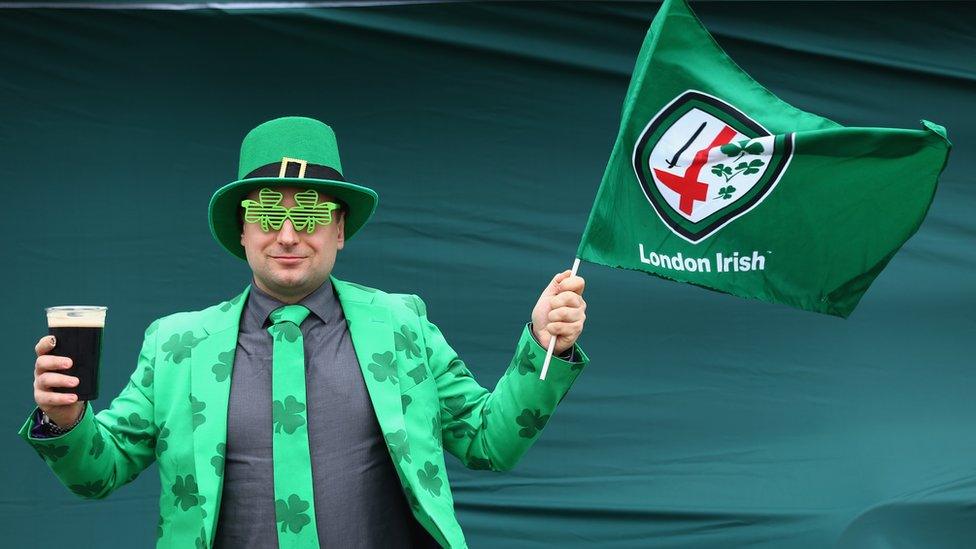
point(358, 498)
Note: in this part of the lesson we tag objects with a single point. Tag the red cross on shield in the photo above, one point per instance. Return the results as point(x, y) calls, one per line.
point(688, 187)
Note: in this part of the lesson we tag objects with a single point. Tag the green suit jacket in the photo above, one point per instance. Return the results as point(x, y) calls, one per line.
point(174, 409)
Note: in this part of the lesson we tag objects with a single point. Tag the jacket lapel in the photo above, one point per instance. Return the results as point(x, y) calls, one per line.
point(371, 331)
point(213, 360)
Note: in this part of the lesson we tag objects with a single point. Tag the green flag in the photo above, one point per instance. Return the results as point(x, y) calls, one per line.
point(715, 181)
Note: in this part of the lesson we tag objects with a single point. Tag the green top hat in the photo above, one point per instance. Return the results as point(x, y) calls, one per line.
point(289, 151)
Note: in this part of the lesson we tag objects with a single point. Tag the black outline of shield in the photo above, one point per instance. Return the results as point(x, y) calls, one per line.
point(733, 213)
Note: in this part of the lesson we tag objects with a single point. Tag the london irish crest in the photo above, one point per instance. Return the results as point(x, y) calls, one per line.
point(702, 163)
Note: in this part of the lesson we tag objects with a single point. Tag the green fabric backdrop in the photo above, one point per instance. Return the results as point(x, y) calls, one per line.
point(485, 129)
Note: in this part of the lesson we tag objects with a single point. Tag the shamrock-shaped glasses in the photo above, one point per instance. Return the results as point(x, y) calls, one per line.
point(307, 213)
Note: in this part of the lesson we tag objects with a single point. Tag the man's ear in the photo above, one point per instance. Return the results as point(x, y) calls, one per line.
point(341, 230)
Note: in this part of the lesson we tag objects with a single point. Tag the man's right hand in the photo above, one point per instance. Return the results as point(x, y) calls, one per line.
point(62, 408)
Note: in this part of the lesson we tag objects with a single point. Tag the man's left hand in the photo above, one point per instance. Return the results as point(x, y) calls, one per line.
point(560, 311)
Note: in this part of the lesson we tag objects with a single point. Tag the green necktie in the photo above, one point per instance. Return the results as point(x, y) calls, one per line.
point(294, 505)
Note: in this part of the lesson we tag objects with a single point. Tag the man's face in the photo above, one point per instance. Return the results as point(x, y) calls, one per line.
point(288, 263)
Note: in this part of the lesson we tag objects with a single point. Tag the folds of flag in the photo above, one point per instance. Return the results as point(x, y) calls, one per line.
point(715, 181)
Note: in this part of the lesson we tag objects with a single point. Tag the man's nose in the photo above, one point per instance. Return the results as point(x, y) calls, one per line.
point(287, 234)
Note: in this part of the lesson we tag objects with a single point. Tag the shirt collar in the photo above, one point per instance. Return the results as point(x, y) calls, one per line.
point(322, 303)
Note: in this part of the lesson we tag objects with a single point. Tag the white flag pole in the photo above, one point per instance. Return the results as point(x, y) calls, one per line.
point(552, 337)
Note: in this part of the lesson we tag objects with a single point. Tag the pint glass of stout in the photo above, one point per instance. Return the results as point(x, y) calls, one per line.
point(78, 333)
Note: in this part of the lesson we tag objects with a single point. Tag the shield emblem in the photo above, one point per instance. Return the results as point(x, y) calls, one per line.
point(703, 163)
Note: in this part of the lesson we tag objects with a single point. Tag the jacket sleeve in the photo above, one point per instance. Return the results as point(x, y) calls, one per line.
point(493, 429)
point(108, 449)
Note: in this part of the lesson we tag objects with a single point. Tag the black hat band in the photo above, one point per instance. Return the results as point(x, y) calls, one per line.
point(293, 167)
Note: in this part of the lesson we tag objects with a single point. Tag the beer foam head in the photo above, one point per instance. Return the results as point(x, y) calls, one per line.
point(76, 316)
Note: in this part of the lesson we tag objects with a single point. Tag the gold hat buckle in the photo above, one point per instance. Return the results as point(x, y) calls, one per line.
point(284, 166)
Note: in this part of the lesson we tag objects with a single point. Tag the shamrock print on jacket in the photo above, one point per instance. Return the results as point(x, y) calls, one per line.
point(218, 460)
point(51, 452)
point(525, 359)
point(97, 446)
point(187, 493)
point(196, 408)
point(225, 362)
point(429, 480)
point(88, 489)
point(399, 446)
point(532, 421)
point(133, 428)
point(384, 367)
point(178, 347)
point(406, 341)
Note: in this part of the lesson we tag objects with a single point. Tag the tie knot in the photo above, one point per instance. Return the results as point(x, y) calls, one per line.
point(289, 313)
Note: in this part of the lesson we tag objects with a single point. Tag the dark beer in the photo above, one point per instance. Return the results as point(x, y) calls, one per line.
point(78, 333)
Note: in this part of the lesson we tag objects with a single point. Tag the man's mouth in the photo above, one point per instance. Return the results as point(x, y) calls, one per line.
point(288, 258)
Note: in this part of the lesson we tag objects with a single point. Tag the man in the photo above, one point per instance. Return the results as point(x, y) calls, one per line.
point(306, 410)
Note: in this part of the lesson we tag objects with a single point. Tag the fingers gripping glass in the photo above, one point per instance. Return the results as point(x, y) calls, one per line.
point(307, 213)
